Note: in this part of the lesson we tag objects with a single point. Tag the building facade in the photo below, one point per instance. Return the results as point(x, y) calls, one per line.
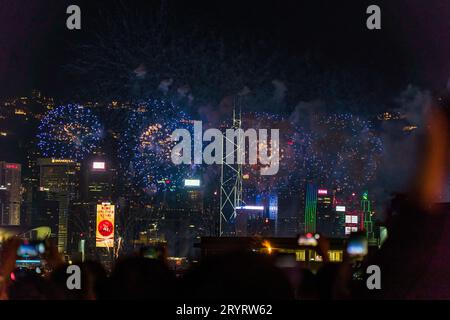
point(60, 177)
point(10, 189)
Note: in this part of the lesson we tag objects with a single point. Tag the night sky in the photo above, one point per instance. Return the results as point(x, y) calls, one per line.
point(412, 47)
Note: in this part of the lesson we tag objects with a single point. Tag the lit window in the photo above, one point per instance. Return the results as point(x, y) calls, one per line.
point(335, 255)
point(354, 219)
point(300, 255)
point(348, 219)
point(98, 165)
point(348, 230)
point(354, 229)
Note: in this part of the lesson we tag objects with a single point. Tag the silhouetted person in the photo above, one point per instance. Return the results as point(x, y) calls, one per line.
point(28, 285)
point(141, 278)
point(415, 259)
point(93, 281)
point(236, 276)
point(308, 286)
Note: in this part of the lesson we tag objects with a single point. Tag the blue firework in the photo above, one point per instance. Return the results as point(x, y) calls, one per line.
point(146, 146)
point(347, 151)
point(69, 131)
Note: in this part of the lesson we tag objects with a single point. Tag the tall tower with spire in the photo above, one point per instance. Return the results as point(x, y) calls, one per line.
point(231, 175)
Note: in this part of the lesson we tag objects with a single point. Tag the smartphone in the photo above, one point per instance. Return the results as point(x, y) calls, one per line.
point(31, 250)
point(357, 246)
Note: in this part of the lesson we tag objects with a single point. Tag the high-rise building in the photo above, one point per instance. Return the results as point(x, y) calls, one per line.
point(270, 203)
point(291, 214)
point(324, 212)
point(310, 208)
point(321, 213)
point(4, 205)
point(211, 207)
point(348, 205)
point(358, 215)
point(60, 177)
point(97, 186)
point(30, 185)
point(253, 221)
point(183, 219)
point(366, 208)
point(290, 217)
point(98, 180)
point(41, 209)
point(353, 221)
point(329, 217)
point(11, 198)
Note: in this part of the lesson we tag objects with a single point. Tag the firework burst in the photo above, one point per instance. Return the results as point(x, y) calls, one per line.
point(146, 146)
point(294, 150)
point(69, 131)
point(346, 151)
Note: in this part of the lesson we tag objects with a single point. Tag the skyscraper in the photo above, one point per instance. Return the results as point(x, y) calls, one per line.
point(97, 186)
point(60, 177)
point(366, 208)
point(353, 221)
point(291, 214)
point(98, 180)
point(310, 208)
point(329, 217)
point(10, 200)
point(270, 203)
point(45, 211)
point(183, 218)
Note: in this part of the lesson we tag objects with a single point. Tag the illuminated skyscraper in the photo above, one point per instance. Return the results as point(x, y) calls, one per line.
point(329, 218)
point(97, 186)
point(353, 221)
point(253, 221)
point(268, 201)
point(367, 212)
point(60, 177)
point(10, 201)
point(273, 211)
point(98, 181)
point(310, 208)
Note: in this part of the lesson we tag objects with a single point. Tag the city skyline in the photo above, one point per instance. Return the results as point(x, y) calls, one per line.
point(303, 140)
point(180, 213)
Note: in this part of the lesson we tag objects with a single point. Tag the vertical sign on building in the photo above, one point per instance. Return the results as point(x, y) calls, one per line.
point(105, 225)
